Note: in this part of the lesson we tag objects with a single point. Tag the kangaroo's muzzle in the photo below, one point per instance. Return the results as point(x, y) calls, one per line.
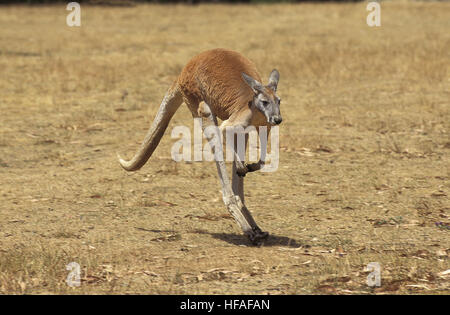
point(275, 120)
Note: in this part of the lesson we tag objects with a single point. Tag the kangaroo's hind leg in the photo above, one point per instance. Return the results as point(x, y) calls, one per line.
point(232, 200)
point(238, 189)
point(237, 181)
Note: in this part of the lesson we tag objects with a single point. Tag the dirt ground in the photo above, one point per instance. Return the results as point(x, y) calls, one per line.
point(364, 152)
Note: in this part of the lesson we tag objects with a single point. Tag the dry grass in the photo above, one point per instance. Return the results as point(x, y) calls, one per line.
point(364, 170)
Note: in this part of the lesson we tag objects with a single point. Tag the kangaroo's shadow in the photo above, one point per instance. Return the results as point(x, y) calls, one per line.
point(272, 240)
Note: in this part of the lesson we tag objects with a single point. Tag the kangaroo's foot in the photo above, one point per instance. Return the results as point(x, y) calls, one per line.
point(256, 236)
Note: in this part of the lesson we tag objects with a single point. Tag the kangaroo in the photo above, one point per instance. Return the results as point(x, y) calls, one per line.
point(223, 84)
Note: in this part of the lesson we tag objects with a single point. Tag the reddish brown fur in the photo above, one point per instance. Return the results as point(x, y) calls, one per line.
point(215, 77)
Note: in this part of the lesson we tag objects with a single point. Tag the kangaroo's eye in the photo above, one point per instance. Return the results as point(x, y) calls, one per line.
point(265, 103)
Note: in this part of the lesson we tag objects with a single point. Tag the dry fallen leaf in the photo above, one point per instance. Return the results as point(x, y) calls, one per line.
point(151, 273)
point(390, 287)
point(444, 274)
point(340, 251)
point(421, 253)
point(418, 286)
point(327, 289)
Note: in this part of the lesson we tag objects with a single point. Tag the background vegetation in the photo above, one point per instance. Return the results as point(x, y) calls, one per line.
point(364, 170)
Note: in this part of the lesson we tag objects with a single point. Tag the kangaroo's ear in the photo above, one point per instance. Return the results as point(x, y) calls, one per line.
point(255, 85)
point(274, 77)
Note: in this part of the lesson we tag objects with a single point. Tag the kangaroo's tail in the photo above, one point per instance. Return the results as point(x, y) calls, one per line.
point(171, 102)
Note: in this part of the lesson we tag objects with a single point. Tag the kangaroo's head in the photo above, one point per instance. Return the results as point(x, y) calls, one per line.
point(265, 98)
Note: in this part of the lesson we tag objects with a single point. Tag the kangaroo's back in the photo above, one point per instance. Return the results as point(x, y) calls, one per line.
point(215, 76)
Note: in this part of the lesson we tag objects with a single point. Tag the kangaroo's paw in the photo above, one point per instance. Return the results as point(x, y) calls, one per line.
point(247, 168)
point(241, 169)
point(257, 237)
point(253, 167)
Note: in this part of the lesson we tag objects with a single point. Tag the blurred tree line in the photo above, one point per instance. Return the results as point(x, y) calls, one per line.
point(132, 2)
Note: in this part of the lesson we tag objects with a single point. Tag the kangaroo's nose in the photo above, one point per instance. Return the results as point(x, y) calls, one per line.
point(278, 120)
